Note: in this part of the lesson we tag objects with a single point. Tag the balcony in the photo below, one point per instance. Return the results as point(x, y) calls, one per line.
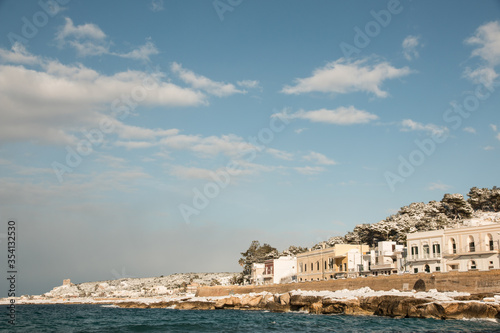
point(383, 266)
point(471, 251)
point(425, 257)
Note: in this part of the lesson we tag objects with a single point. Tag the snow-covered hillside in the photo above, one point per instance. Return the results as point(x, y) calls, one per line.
point(482, 206)
point(140, 287)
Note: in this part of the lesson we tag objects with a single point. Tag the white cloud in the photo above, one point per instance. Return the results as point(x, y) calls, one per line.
point(342, 76)
point(230, 145)
point(481, 75)
point(309, 170)
point(340, 116)
point(219, 89)
point(142, 53)
point(18, 55)
point(490, 147)
point(111, 161)
point(244, 168)
point(249, 84)
point(410, 125)
point(498, 136)
point(494, 127)
point(470, 130)
point(156, 5)
point(319, 158)
point(191, 172)
point(23, 170)
point(52, 103)
point(300, 130)
point(410, 44)
point(438, 186)
point(87, 30)
point(280, 154)
point(89, 40)
point(487, 40)
point(134, 144)
point(135, 132)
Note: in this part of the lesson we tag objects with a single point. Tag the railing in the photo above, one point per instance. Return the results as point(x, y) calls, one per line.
point(425, 256)
point(471, 250)
point(383, 266)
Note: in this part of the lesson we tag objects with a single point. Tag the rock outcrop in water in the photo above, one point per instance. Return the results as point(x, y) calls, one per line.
point(380, 305)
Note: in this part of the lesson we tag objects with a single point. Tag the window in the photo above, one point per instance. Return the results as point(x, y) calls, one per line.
point(489, 242)
point(414, 252)
point(472, 264)
point(436, 250)
point(452, 246)
point(345, 267)
point(317, 265)
point(330, 263)
point(325, 265)
point(427, 269)
point(305, 268)
point(415, 270)
point(472, 246)
point(438, 269)
point(426, 250)
point(312, 267)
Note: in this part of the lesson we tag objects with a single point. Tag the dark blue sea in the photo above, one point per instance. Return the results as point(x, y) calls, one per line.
point(98, 318)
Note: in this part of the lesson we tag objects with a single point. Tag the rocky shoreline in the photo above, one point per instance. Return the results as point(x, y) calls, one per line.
point(363, 301)
point(479, 306)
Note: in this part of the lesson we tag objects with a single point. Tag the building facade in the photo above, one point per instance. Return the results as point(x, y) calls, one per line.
point(341, 260)
point(388, 258)
point(268, 271)
point(285, 269)
point(281, 270)
point(257, 275)
point(458, 249)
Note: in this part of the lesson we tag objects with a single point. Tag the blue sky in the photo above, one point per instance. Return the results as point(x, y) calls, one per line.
point(154, 137)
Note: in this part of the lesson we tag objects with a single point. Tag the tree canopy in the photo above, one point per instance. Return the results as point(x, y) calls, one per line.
point(256, 253)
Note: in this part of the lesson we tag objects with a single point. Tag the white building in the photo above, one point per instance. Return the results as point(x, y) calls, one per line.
point(281, 270)
point(354, 262)
point(387, 258)
point(285, 269)
point(257, 276)
point(458, 249)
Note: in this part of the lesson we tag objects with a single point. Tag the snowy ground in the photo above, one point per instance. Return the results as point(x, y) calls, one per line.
point(482, 218)
point(367, 292)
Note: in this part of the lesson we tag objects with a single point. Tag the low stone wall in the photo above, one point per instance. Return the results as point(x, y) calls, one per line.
point(473, 282)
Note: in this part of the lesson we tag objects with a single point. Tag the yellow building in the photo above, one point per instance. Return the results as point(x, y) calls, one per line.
point(329, 263)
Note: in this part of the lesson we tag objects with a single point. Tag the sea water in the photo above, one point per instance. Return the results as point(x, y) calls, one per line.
point(102, 318)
